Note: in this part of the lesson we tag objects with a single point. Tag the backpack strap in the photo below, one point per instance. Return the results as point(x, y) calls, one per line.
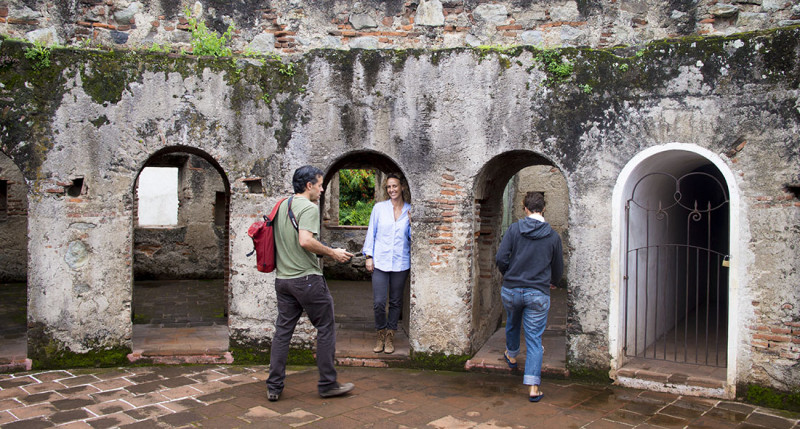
point(291, 215)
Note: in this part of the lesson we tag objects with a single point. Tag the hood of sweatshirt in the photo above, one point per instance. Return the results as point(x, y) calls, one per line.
point(534, 229)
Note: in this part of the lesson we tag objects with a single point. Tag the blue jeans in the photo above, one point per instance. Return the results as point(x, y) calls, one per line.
point(526, 307)
point(391, 283)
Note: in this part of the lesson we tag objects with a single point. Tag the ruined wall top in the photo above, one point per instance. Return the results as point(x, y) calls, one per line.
point(296, 26)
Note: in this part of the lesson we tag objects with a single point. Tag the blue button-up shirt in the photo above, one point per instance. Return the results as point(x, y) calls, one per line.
point(389, 241)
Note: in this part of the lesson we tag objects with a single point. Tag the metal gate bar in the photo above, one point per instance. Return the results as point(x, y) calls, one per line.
point(662, 271)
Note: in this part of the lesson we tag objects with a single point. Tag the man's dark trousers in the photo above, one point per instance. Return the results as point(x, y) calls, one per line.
point(309, 293)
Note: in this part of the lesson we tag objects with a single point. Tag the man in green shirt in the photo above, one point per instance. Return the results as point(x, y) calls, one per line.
point(299, 285)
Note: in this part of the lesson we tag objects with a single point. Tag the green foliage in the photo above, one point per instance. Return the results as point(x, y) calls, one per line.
point(623, 67)
point(586, 88)
point(159, 48)
point(356, 196)
point(357, 214)
point(558, 69)
point(205, 42)
point(39, 55)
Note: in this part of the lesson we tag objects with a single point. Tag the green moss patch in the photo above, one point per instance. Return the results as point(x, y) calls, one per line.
point(433, 361)
point(772, 398)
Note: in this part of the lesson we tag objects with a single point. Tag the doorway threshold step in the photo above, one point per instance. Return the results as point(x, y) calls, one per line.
point(489, 359)
point(180, 357)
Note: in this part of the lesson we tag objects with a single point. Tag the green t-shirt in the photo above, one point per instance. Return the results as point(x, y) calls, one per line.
point(292, 260)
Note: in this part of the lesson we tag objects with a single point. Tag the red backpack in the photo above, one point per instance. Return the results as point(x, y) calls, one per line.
point(263, 235)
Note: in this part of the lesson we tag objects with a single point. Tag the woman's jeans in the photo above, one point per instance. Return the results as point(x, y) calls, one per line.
point(391, 283)
point(526, 307)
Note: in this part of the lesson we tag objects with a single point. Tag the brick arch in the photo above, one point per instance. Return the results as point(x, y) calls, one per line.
point(489, 186)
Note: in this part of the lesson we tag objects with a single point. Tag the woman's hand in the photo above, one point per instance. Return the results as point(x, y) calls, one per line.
point(369, 263)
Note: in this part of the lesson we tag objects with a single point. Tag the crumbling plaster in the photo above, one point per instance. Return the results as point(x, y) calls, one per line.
point(441, 116)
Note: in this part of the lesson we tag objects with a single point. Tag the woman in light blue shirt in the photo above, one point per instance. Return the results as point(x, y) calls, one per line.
point(388, 251)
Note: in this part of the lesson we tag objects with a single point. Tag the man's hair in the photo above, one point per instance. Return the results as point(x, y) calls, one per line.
point(303, 175)
point(534, 202)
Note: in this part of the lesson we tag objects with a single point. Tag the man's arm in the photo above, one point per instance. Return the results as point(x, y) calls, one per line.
point(308, 242)
point(557, 264)
point(503, 258)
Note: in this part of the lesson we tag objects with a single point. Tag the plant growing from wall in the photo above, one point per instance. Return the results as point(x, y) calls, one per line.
point(39, 55)
point(205, 42)
point(557, 68)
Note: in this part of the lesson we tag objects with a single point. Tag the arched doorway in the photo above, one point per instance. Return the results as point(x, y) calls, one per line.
point(499, 189)
point(349, 283)
point(180, 255)
point(13, 265)
point(673, 288)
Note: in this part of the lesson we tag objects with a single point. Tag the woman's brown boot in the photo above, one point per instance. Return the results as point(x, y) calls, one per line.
point(389, 343)
point(380, 341)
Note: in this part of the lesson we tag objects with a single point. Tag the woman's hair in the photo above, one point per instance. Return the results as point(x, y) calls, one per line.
point(406, 194)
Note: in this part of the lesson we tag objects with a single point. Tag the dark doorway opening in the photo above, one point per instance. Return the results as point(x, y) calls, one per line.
point(13, 265)
point(675, 291)
point(500, 187)
point(350, 283)
point(180, 254)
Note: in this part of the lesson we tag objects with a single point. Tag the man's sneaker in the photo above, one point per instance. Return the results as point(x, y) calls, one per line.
point(273, 396)
point(339, 390)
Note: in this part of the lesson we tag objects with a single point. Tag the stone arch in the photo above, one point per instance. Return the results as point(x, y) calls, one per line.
point(672, 162)
point(198, 247)
point(352, 238)
point(492, 200)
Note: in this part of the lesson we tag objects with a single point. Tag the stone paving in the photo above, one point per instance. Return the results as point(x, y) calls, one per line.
point(235, 397)
point(179, 303)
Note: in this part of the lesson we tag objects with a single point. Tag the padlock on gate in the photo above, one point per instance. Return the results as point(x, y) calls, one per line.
point(726, 261)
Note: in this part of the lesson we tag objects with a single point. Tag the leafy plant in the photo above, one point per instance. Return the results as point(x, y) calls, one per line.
point(623, 67)
point(356, 196)
point(159, 48)
point(586, 88)
point(206, 42)
point(39, 55)
point(356, 215)
point(558, 68)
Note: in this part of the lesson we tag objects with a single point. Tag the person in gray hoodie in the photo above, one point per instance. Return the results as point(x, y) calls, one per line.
point(530, 259)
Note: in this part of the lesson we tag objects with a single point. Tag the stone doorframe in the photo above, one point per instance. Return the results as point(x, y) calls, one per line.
point(737, 280)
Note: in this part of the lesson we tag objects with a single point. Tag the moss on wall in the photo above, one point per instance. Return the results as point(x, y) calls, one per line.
point(769, 397)
point(47, 352)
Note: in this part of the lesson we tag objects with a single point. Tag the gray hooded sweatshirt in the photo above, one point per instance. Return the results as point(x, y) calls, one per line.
point(530, 256)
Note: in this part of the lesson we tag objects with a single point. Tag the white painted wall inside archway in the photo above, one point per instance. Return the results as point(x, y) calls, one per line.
point(158, 196)
point(674, 158)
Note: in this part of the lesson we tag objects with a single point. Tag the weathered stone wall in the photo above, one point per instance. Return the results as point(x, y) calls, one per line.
point(13, 223)
point(286, 26)
point(442, 117)
point(195, 248)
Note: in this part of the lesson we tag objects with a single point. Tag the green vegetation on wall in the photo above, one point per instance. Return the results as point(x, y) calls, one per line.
point(356, 196)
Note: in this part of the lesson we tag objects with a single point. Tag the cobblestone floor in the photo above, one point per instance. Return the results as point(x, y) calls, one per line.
point(235, 397)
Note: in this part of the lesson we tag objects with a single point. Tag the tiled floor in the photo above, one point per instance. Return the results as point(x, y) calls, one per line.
point(235, 397)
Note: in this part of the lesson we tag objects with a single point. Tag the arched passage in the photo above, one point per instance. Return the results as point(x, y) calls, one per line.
point(350, 284)
point(180, 253)
point(13, 263)
point(499, 189)
point(675, 245)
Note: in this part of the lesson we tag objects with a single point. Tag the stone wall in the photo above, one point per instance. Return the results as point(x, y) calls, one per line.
point(13, 222)
point(285, 26)
point(458, 123)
